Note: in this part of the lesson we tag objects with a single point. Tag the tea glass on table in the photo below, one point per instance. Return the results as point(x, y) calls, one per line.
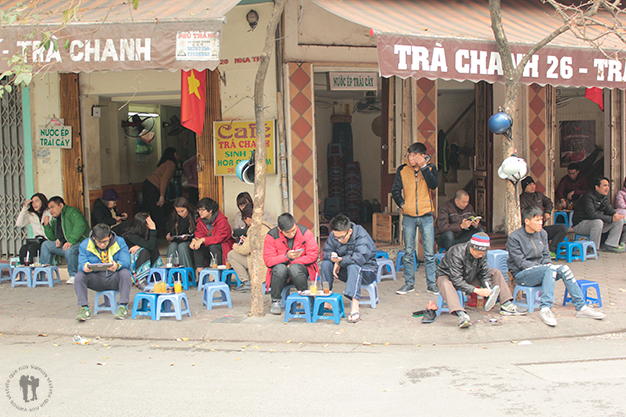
point(326, 287)
point(313, 288)
point(175, 261)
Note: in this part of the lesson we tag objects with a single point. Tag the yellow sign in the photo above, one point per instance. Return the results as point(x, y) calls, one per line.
point(235, 141)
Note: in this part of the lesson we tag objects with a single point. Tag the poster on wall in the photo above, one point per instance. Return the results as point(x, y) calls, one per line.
point(578, 140)
point(236, 139)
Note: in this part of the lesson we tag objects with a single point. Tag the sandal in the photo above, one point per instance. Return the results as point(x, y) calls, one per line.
point(354, 317)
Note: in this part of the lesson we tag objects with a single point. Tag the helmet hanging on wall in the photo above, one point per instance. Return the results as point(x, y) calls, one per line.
point(500, 123)
point(245, 170)
point(513, 169)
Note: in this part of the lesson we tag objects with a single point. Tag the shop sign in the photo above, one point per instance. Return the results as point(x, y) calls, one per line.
point(363, 81)
point(235, 141)
point(55, 135)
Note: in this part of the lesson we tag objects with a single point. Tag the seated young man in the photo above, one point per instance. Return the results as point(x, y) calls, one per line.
point(103, 246)
point(529, 263)
point(464, 267)
point(454, 221)
point(349, 255)
point(290, 252)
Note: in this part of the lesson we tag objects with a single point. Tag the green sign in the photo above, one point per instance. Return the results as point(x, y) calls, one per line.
point(55, 137)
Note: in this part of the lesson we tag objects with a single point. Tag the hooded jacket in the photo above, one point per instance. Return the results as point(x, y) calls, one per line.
point(275, 250)
point(527, 250)
point(218, 232)
point(593, 205)
point(411, 189)
point(358, 250)
point(117, 250)
point(75, 227)
point(460, 266)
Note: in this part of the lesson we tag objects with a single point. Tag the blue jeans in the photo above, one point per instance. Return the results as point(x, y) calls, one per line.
point(546, 276)
point(48, 248)
point(427, 233)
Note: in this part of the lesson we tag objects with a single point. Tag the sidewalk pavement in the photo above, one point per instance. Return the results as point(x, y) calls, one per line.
point(44, 310)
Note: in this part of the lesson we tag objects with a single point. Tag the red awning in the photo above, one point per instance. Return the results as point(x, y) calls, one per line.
point(452, 39)
point(110, 35)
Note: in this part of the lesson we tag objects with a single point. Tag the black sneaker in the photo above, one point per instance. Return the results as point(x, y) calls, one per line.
point(612, 249)
point(433, 289)
point(275, 307)
point(405, 288)
point(244, 287)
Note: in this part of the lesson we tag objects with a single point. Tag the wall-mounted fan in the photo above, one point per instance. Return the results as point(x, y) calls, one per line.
point(140, 125)
point(368, 104)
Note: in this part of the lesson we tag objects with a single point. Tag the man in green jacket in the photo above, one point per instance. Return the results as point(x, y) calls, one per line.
point(65, 231)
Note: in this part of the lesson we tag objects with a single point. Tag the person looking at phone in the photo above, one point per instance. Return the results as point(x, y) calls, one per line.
point(103, 247)
point(181, 227)
point(35, 214)
point(456, 221)
point(290, 252)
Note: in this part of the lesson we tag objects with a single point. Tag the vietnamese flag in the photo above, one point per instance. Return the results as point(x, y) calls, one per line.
point(193, 99)
point(596, 95)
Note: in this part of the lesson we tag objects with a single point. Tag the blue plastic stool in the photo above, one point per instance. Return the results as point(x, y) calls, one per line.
point(563, 217)
point(438, 257)
point(50, 273)
point(337, 309)
point(145, 305)
point(223, 290)
point(382, 265)
point(400, 262)
point(18, 273)
point(584, 285)
point(204, 274)
point(4, 267)
point(227, 275)
point(372, 291)
point(533, 297)
point(172, 305)
point(285, 293)
point(565, 250)
point(382, 254)
point(497, 259)
point(160, 273)
point(589, 244)
point(109, 301)
point(186, 274)
point(291, 312)
point(443, 306)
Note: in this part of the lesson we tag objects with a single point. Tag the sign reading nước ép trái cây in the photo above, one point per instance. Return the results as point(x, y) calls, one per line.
point(54, 136)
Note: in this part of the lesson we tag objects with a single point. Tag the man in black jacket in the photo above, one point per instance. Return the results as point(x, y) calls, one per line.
point(594, 215)
point(464, 267)
point(456, 221)
point(105, 212)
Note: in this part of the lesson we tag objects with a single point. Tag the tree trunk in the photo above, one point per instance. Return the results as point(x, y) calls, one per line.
point(255, 233)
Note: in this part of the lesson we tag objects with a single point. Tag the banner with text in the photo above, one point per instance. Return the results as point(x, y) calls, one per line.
point(458, 59)
point(235, 141)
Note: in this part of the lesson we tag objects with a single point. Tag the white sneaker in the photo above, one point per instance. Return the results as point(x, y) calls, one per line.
point(587, 312)
point(70, 281)
point(547, 317)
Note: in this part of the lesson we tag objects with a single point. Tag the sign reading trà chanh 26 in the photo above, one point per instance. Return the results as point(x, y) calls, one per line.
point(235, 141)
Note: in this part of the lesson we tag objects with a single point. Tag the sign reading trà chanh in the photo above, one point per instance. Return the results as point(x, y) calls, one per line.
point(235, 141)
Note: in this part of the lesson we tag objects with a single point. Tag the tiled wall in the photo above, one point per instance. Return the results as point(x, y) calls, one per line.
point(538, 155)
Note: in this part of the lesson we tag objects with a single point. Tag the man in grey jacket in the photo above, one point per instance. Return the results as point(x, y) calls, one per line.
point(529, 263)
point(349, 255)
point(464, 268)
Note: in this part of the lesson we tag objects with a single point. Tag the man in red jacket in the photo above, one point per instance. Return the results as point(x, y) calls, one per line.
point(213, 237)
point(290, 252)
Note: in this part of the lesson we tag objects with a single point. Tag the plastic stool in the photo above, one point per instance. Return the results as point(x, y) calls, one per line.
point(174, 306)
point(337, 309)
point(186, 274)
point(400, 262)
point(226, 276)
point(563, 217)
point(4, 267)
point(443, 306)
point(145, 305)
point(533, 297)
point(565, 250)
point(161, 273)
point(20, 271)
point(372, 290)
point(285, 293)
point(203, 274)
point(51, 275)
point(382, 254)
point(497, 259)
point(382, 264)
point(291, 312)
point(223, 290)
point(438, 257)
point(584, 285)
point(109, 302)
point(587, 244)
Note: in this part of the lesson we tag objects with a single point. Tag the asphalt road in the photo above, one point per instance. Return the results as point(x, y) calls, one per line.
point(562, 377)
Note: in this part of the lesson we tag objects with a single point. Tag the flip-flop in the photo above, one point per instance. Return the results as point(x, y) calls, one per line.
point(491, 301)
point(354, 317)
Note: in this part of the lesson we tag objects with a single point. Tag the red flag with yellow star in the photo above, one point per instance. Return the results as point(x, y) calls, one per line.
point(193, 99)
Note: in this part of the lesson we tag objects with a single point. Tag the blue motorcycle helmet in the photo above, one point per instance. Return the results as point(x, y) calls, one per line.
point(500, 123)
point(245, 171)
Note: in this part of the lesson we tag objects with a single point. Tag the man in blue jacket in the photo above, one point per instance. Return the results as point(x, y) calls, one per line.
point(103, 247)
point(349, 255)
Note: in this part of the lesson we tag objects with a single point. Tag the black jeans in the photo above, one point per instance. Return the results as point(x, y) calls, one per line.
point(32, 250)
point(202, 255)
point(151, 195)
point(556, 234)
point(281, 274)
point(447, 239)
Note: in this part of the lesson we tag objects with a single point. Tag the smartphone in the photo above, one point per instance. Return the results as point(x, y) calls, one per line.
point(298, 250)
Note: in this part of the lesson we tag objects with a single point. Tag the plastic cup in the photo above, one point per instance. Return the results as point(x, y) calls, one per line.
point(177, 287)
point(175, 261)
point(213, 266)
point(326, 287)
point(313, 288)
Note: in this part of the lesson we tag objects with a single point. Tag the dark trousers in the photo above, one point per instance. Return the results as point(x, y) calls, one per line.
point(202, 255)
point(194, 196)
point(151, 195)
point(282, 273)
point(32, 250)
point(353, 275)
point(448, 239)
point(556, 234)
point(120, 280)
point(121, 228)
